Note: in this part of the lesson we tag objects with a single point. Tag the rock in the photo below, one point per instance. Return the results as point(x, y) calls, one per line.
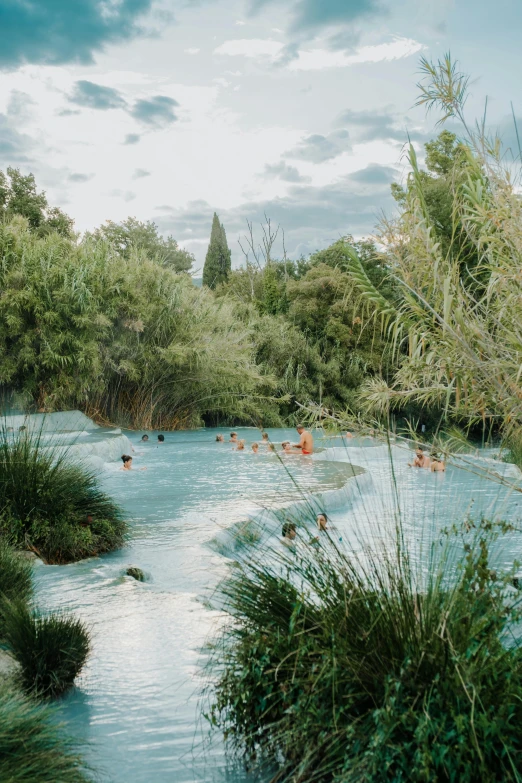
point(136, 573)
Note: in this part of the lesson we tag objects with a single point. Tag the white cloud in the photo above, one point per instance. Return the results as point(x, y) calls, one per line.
point(222, 82)
point(192, 51)
point(318, 59)
point(250, 47)
point(240, 22)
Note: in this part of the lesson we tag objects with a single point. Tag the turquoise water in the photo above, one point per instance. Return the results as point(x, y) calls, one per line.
point(138, 701)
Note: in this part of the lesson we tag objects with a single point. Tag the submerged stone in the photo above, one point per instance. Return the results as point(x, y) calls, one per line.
point(136, 573)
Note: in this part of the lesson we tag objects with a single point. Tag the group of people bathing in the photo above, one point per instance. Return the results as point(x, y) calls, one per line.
point(305, 445)
point(432, 462)
point(289, 531)
point(127, 459)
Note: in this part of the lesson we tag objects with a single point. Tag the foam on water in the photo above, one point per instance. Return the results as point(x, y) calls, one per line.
point(137, 701)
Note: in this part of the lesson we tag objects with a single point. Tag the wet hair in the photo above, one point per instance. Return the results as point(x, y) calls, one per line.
point(144, 437)
point(287, 528)
point(232, 434)
point(271, 447)
point(241, 444)
point(219, 438)
point(264, 435)
point(285, 443)
point(125, 458)
point(255, 444)
point(161, 438)
point(323, 514)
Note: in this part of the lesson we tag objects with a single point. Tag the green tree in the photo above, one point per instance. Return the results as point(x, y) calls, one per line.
point(133, 234)
point(218, 259)
point(19, 196)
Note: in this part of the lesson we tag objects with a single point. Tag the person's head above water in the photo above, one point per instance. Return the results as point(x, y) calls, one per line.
point(264, 436)
point(285, 444)
point(219, 438)
point(300, 428)
point(322, 521)
point(161, 438)
point(144, 437)
point(127, 461)
point(240, 445)
point(233, 436)
point(255, 447)
point(289, 530)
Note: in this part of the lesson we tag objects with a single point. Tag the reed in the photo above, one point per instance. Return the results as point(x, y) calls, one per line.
point(51, 650)
point(46, 502)
point(15, 577)
point(356, 669)
point(33, 747)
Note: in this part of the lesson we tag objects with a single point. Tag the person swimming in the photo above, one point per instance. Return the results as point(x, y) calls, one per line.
point(127, 462)
point(264, 439)
point(306, 441)
point(287, 448)
point(220, 439)
point(255, 448)
point(240, 445)
point(233, 437)
point(289, 532)
point(421, 459)
point(144, 438)
point(161, 438)
point(322, 522)
point(437, 465)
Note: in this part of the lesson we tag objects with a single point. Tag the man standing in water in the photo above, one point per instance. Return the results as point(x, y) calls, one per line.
point(306, 442)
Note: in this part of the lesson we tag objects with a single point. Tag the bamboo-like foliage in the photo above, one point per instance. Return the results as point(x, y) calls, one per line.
point(463, 336)
point(126, 339)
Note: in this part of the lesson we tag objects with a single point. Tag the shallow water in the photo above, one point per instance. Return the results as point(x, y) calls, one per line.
point(138, 700)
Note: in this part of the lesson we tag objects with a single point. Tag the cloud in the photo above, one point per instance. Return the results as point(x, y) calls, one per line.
point(379, 125)
point(192, 51)
point(96, 96)
point(374, 174)
point(20, 106)
point(285, 172)
point(319, 59)
point(61, 31)
point(322, 13)
point(80, 177)
point(126, 195)
point(318, 149)
point(157, 111)
point(312, 217)
point(140, 173)
point(132, 138)
point(68, 112)
point(15, 147)
point(250, 47)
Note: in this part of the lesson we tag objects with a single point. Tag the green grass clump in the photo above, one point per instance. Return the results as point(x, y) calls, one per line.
point(15, 577)
point(45, 503)
point(350, 673)
point(50, 650)
point(33, 749)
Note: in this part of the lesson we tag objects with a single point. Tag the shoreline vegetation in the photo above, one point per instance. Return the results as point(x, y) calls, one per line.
point(332, 667)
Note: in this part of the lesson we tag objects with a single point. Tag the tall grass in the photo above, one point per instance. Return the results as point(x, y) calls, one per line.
point(33, 748)
point(360, 669)
point(51, 650)
point(45, 501)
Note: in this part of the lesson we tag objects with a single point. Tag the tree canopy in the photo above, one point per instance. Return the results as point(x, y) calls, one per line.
point(218, 261)
point(19, 196)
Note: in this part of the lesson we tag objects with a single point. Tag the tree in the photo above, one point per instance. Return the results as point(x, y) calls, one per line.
point(135, 234)
point(218, 259)
point(19, 196)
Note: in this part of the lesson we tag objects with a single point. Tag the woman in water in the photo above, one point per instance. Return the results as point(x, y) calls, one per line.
point(127, 462)
point(240, 445)
point(220, 439)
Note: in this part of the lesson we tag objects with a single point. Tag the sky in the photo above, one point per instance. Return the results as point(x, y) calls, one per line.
point(297, 110)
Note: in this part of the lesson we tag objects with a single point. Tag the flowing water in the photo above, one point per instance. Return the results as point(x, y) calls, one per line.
point(138, 700)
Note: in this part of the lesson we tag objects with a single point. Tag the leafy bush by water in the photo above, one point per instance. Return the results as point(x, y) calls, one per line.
point(51, 650)
point(15, 577)
point(355, 673)
point(33, 749)
point(46, 500)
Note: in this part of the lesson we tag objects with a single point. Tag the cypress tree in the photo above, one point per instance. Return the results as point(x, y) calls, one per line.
point(218, 260)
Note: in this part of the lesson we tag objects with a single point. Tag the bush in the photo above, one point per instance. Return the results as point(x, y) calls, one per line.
point(50, 650)
point(33, 749)
point(45, 503)
point(15, 576)
point(355, 674)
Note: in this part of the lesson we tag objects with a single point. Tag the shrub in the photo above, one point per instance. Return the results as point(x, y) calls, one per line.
point(51, 650)
point(33, 749)
point(46, 500)
point(15, 576)
point(350, 673)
